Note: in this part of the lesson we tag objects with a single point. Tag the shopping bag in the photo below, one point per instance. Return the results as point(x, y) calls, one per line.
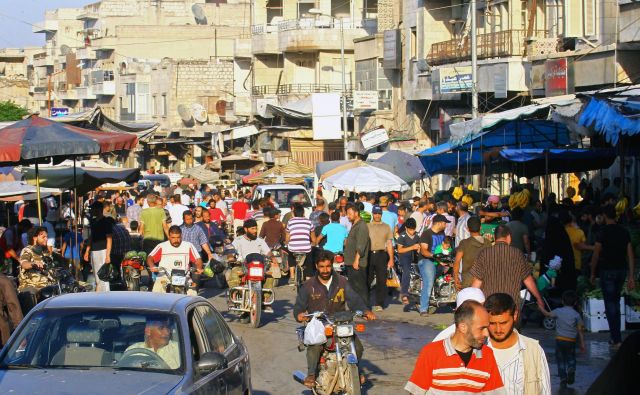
point(314, 333)
point(392, 279)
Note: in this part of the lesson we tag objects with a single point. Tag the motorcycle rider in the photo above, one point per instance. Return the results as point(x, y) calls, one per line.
point(250, 243)
point(31, 278)
point(328, 292)
point(173, 254)
point(429, 241)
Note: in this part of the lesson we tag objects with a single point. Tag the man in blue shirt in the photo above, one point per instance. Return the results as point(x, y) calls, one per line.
point(388, 217)
point(335, 233)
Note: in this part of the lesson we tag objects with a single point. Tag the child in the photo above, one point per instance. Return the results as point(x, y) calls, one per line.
point(548, 279)
point(72, 244)
point(568, 330)
point(445, 247)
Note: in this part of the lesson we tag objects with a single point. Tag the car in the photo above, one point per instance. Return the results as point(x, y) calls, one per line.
point(124, 343)
point(285, 195)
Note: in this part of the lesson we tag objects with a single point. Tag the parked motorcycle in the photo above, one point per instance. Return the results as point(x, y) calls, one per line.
point(135, 273)
point(338, 369)
point(254, 294)
point(444, 290)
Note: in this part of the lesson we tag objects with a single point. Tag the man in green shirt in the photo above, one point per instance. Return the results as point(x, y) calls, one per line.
point(153, 226)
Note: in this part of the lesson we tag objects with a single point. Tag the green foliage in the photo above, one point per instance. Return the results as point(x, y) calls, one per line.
point(10, 111)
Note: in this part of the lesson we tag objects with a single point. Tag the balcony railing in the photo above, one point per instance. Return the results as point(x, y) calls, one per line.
point(298, 89)
point(309, 23)
point(490, 45)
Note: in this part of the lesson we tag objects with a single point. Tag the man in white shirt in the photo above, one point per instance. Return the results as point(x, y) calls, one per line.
point(176, 209)
point(462, 232)
point(419, 215)
point(521, 360)
point(250, 243)
point(157, 339)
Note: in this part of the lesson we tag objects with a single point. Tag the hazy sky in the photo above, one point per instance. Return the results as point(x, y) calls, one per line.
point(14, 33)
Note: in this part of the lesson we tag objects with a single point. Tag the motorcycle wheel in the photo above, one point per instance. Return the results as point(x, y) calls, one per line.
point(133, 284)
point(352, 380)
point(298, 279)
point(256, 307)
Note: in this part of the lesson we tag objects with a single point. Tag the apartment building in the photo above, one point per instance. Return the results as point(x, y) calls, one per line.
point(14, 82)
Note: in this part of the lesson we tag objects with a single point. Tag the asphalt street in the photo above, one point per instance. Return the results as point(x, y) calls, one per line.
point(391, 345)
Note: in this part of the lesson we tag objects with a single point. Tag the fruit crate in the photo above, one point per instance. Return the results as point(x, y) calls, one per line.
point(599, 323)
point(594, 307)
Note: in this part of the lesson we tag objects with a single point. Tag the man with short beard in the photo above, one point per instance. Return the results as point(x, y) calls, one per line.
point(249, 243)
point(462, 363)
point(522, 362)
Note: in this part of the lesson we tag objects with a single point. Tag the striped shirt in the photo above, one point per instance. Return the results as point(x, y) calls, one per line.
point(299, 229)
point(501, 268)
point(440, 370)
point(195, 235)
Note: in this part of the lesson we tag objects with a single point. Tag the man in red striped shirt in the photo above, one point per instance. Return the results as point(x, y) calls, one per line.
point(461, 364)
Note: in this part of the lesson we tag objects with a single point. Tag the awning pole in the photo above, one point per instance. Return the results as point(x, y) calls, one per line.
point(74, 222)
point(38, 195)
point(547, 181)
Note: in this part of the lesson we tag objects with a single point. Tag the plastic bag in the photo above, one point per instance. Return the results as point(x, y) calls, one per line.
point(392, 279)
point(314, 333)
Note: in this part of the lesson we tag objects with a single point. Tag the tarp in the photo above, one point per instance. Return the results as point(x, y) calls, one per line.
point(365, 179)
point(404, 165)
point(96, 120)
point(291, 173)
point(87, 179)
point(201, 173)
point(468, 158)
point(325, 166)
point(20, 190)
point(535, 162)
point(607, 119)
point(298, 109)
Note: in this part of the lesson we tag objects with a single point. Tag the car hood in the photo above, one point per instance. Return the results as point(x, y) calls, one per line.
point(102, 381)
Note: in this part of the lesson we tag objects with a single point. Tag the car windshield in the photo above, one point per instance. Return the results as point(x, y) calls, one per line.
point(285, 198)
point(107, 338)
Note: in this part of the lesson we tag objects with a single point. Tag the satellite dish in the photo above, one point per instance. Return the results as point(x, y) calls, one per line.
point(185, 114)
point(199, 113)
point(198, 14)
point(221, 108)
point(422, 65)
point(65, 49)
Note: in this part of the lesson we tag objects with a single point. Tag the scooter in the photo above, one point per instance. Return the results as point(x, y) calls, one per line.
point(134, 271)
point(444, 290)
point(251, 297)
point(338, 369)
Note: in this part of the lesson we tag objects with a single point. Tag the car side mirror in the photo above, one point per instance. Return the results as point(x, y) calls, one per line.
point(210, 362)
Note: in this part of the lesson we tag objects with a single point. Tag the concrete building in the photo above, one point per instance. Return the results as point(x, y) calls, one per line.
point(14, 73)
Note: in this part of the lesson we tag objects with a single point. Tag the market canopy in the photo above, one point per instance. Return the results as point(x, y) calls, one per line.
point(201, 173)
point(535, 162)
point(38, 138)
point(86, 179)
point(612, 118)
point(20, 190)
point(365, 179)
point(95, 119)
point(291, 173)
point(483, 149)
point(404, 165)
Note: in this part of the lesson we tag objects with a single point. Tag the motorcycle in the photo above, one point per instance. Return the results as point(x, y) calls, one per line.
point(134, 271)
point(178, 281)
point(338, 369)
point(250, 297)
point(443, 292)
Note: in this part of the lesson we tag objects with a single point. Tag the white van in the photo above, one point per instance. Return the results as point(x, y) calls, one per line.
point(285, 195)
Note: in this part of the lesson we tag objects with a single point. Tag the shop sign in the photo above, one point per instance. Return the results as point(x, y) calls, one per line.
point(556, 77)
point(391, 49)
point(59, 111)
point(455, 79)
point(365, 100)
point(374, 138)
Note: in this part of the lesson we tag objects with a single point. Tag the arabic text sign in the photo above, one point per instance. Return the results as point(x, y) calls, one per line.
point(374, 138)
point(455, 79)
point(59, 111)
point(365, 100)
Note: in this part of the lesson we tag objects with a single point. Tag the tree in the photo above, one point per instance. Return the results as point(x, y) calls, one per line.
point(10, 111)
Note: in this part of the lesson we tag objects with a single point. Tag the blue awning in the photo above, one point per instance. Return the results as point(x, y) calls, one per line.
point(607, 119)
point(484, 148)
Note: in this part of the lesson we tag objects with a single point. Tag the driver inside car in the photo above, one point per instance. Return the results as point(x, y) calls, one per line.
point(157, 338)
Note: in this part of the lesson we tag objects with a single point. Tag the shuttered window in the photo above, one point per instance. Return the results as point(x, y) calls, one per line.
point(589, 8)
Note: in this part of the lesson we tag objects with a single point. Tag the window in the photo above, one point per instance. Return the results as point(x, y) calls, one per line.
point(156, 104)
point(216, 330)
point(370, 9)
point(384, 87)
point(163, 105)
point(274, 10)
point(414, 43)
point(366, 75)
point(143, 104)
point(303, 8)
point(554, 17)
point(128, 103)
point(371, 76)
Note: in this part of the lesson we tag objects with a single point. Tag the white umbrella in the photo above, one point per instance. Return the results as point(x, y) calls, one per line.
point(365, 179)
point(20, 190)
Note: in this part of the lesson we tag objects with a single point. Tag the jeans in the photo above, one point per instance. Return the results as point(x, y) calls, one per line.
point(358, 281)
point(428, 274)
point(565, 357)
point(315, 352)
point(405, 264)
point(378, 269)
point(611, 282)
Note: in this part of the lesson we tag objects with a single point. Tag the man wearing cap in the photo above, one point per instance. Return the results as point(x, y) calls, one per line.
point(429, 269)
point(462, 296)
point(381, 255)
point(249, 243)
point(388, 217)
point(408, 246)
point(157, 338)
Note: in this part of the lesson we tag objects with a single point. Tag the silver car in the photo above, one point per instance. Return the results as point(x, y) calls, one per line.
point(124, 343)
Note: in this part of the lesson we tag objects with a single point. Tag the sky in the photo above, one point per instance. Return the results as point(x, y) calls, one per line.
point(14, 33)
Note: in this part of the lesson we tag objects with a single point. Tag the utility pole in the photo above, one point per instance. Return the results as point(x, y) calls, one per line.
point(344, 92)
point(474, 62)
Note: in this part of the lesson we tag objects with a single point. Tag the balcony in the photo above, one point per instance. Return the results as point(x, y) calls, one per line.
point(320, 34)
point(85, 93)
point(45, 26)
point(105, 88)
point(69, 94)
point(242, 48)
point(297, 89)
point(42, 60)
point(490, 45)
point(264, 39)
point(85, 54)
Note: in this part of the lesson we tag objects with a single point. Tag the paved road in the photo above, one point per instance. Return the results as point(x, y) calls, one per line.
point(391, 345)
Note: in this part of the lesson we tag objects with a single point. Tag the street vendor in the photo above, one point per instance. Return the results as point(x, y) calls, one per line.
point(491, 213)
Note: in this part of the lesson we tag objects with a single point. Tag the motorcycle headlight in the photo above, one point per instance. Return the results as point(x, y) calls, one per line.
point(344, 330)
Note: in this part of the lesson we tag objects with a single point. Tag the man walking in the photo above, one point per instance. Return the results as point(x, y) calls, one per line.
point(521, 360)
point(462, 232)
point(612, 252)
point(153, 226)
point(356, 252)
point(388, 217)
point(419, 215)
point(429, 268)
point(195, 235)
point(467, 252)
point(503, 268)
point(462, 363)
point(381, 255)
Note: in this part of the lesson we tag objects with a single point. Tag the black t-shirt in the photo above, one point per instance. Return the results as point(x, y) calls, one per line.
point(614, 240)
point(407, 241)
point(99, 231)
point(432, 239)
point(465, 356)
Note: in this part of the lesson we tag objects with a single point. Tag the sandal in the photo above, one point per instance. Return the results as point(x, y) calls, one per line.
point(310, 381)
point(405, 300)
